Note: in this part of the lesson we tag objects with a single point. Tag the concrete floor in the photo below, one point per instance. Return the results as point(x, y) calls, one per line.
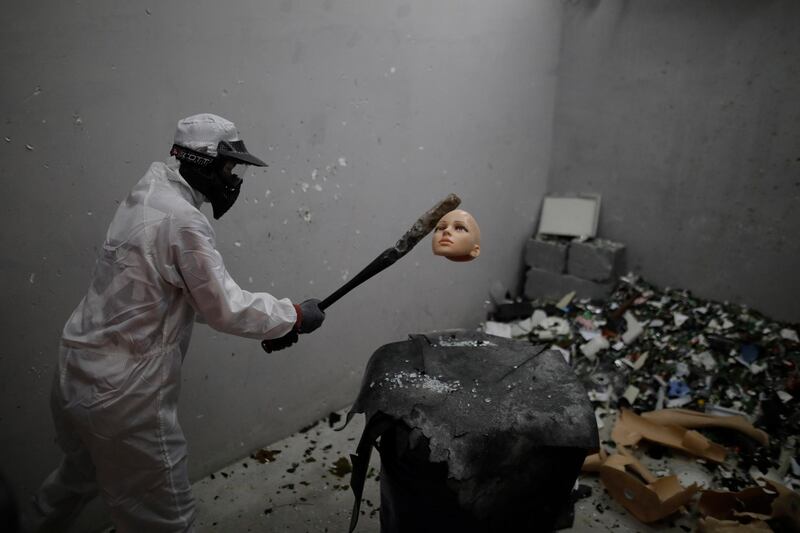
point(297, 492)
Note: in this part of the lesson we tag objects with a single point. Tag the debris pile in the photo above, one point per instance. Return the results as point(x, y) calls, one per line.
point(647, 349)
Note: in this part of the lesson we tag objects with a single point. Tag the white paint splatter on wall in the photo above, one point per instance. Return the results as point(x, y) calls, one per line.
point(305, 213)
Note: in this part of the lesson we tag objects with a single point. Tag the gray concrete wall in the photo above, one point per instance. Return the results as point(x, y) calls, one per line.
point(684, 115)
point(367, 112)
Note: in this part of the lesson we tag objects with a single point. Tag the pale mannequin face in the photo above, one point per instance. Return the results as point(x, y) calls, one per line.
point(457, 237)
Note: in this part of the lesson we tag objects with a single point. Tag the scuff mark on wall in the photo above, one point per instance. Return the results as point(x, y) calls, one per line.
point(305, 213)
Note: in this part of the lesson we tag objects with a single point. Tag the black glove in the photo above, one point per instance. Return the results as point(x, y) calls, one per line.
point(311, 316)
point(273, 345)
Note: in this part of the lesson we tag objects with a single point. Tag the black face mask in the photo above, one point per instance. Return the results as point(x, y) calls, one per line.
point(221, 189)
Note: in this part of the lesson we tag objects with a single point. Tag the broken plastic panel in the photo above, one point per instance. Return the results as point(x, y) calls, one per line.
point(570, 216)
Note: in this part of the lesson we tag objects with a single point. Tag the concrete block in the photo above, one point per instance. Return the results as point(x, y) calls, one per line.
point(549, 255)
point(551, 286)
point(596, 260)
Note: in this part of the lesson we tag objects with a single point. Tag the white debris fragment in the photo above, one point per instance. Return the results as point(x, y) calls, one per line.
point(790, 335)
point(538, 317)
point(599, 396)
point(661, 396)
point(498, 329)
point(238, 244)
point(565, 300)
point(521, 328)
point(405, 379)
point(32, 279)
point(639, 363)
point(591, 348)
point(704, 359)
point(715, 409)
point(784, 396)
point(598, 416)
point(342, 162)
point(715, 325)
point(681, 370)
point(28, 147)
point(587, 334)
point(634, 328)
point(755, 368)
point(679, 318)
point(553, 326)
point(631, 393)
point(447, 343)
point(679, 402)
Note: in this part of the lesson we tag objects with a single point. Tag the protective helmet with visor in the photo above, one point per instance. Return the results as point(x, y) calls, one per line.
point(208, 147)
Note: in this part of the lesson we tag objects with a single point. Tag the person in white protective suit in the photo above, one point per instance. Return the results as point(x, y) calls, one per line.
point(115, 393)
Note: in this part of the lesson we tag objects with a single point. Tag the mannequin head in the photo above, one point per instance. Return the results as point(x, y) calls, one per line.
point(457, 236)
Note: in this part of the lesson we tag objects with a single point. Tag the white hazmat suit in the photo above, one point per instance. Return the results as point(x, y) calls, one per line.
point(115, 393)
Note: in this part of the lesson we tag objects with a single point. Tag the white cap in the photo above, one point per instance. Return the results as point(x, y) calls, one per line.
point(204, 132)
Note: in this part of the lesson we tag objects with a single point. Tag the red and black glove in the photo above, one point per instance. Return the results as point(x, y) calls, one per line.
point(309, 318)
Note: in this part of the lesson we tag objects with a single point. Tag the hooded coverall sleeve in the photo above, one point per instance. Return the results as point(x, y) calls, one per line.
point(217, 298)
